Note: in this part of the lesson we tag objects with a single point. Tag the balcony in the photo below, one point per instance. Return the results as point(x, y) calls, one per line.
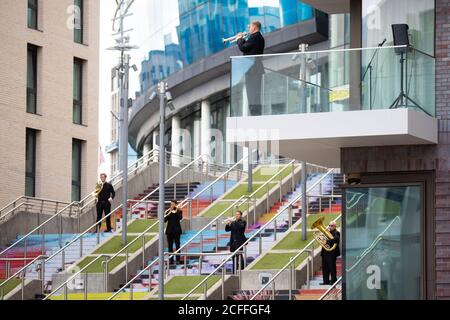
point(310, 105)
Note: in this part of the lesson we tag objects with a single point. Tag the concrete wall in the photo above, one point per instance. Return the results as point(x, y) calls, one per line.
point(215, 292)
point(117, 277)
point(31, 288)
point(23, 222)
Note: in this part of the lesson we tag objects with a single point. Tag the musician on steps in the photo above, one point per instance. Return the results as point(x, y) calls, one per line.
point(237, 228)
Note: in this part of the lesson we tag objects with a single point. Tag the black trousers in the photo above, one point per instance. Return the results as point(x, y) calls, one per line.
point(171, 239)
point(104, 206)
point(238, 260)
point(329, 267)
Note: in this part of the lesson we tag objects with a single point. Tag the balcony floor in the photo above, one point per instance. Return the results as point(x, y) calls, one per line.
point(318, 137)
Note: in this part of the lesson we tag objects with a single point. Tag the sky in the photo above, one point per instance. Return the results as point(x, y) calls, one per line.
point(147, 24)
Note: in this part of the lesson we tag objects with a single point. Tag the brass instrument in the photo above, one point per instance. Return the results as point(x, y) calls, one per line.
point(98, 189)
point(234, 38)
point(323, 235)
point(228, 220)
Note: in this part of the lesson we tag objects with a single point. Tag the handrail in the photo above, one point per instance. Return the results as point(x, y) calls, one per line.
point(288, 264)
point(373, 244)
point(24, 268)
point(257, 232)
point(143, 233)
point(338, 281)
point(134, 278)
point(60, 212)
point(216, 218)
point(31, 201)
point(73, 276)
point(109, 215)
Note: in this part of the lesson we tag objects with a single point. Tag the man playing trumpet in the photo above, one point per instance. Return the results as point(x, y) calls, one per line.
point(237, 238)
point(253, 45)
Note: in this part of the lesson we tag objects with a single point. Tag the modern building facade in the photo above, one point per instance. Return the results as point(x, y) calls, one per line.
point(201, 84)
point(48, 98)
point(335, 105)
point(378, 111)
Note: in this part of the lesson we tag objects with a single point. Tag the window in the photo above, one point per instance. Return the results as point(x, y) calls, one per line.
point(77, 91)
point(76, 169)
point(30, 163)
point(33, 14)
point(31, 78)
point(78, 21)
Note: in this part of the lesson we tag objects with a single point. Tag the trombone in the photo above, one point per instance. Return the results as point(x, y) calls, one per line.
point(234, 38)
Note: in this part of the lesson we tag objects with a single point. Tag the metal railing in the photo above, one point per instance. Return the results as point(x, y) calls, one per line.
point(257, 233)
point(200, 232)
point(74, 207)
point(291, 265)
point(334, 292)
point(21, 273)
point(30, 204)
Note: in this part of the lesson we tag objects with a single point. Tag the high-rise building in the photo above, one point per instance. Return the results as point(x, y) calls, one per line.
point(48, 98)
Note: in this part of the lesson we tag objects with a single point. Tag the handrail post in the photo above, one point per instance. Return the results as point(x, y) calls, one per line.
point(60, 230)
point(85, 285)
point(190, 213)
point(217, 236)
point(63, 260)
point(143, 251)
point(22, 284)
point(185, 262)
point(81, 246)
point(65, 291)
point(223, 282)
point(126, 265)
point(8, 269)
point(293, 177)
point(290, 216)
point(275, 230)
point(206, 290)
point(291, 271)
point(43, 275)
point(106, 273)
point(273, 290)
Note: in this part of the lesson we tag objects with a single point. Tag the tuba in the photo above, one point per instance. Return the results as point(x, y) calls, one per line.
point(323, 235)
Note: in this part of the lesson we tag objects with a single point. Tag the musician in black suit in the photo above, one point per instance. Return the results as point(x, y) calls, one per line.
point(237, 237)
point(253, 45)
point(173, 229)
point(104, 199)
point(329, 257)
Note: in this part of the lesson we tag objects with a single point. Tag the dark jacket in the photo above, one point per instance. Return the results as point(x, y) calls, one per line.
point(173, 222)
point(255, 44)
point(237, 237)
point(336, 239)
point(106, 192)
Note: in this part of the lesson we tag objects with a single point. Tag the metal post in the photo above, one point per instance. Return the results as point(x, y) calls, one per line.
point(43, 275)
point(22, 283)
point(85, 285)
point(223, 282)
point(143, 251)
point(291, 271)
point(290, 216)
point(250, 172)
point(304, 200)
point(162, 161)
point(8, 269)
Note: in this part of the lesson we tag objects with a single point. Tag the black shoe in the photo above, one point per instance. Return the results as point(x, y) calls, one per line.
point(324, 283)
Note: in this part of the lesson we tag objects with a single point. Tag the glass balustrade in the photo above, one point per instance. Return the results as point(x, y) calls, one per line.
point(331, 81)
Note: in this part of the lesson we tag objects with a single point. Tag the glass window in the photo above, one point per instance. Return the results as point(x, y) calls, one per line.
point(78, 21)
point(30, 163)
point(33, 14)
point(76, 169)
point(77, 91)
point(382, 243)
point(31, 79)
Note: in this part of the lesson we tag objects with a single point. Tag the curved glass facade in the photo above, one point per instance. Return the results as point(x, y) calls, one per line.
point(181, 32)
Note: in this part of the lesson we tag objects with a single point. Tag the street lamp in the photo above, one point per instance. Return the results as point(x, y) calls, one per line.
point(164, 96)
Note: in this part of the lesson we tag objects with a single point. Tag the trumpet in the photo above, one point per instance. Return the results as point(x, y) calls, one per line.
point(228, 220)
point(233, 38)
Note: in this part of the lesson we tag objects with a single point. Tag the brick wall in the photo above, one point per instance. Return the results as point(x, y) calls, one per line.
point(54, 96)
point(416, 158)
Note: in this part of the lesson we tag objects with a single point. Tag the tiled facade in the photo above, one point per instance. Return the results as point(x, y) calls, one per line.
point(53, 120)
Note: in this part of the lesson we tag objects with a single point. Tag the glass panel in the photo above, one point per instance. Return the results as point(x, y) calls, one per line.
point(78, 21)
point(32, 13)
point(382, 243)
point(31, 79)
point(76, 170)
point(77, 91)
point(30, 162)
point(379, 15)
point(335, 80)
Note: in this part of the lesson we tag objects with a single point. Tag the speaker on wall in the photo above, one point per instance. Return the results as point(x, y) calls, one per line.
point(400, 35)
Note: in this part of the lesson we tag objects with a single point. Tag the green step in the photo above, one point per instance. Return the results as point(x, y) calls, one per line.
point(97, 267)
point(140, 225)
point(184, 284)
point(275, 261)
point(293, 241)
point(9, 286)
point(114, 245)
point(101, 296)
